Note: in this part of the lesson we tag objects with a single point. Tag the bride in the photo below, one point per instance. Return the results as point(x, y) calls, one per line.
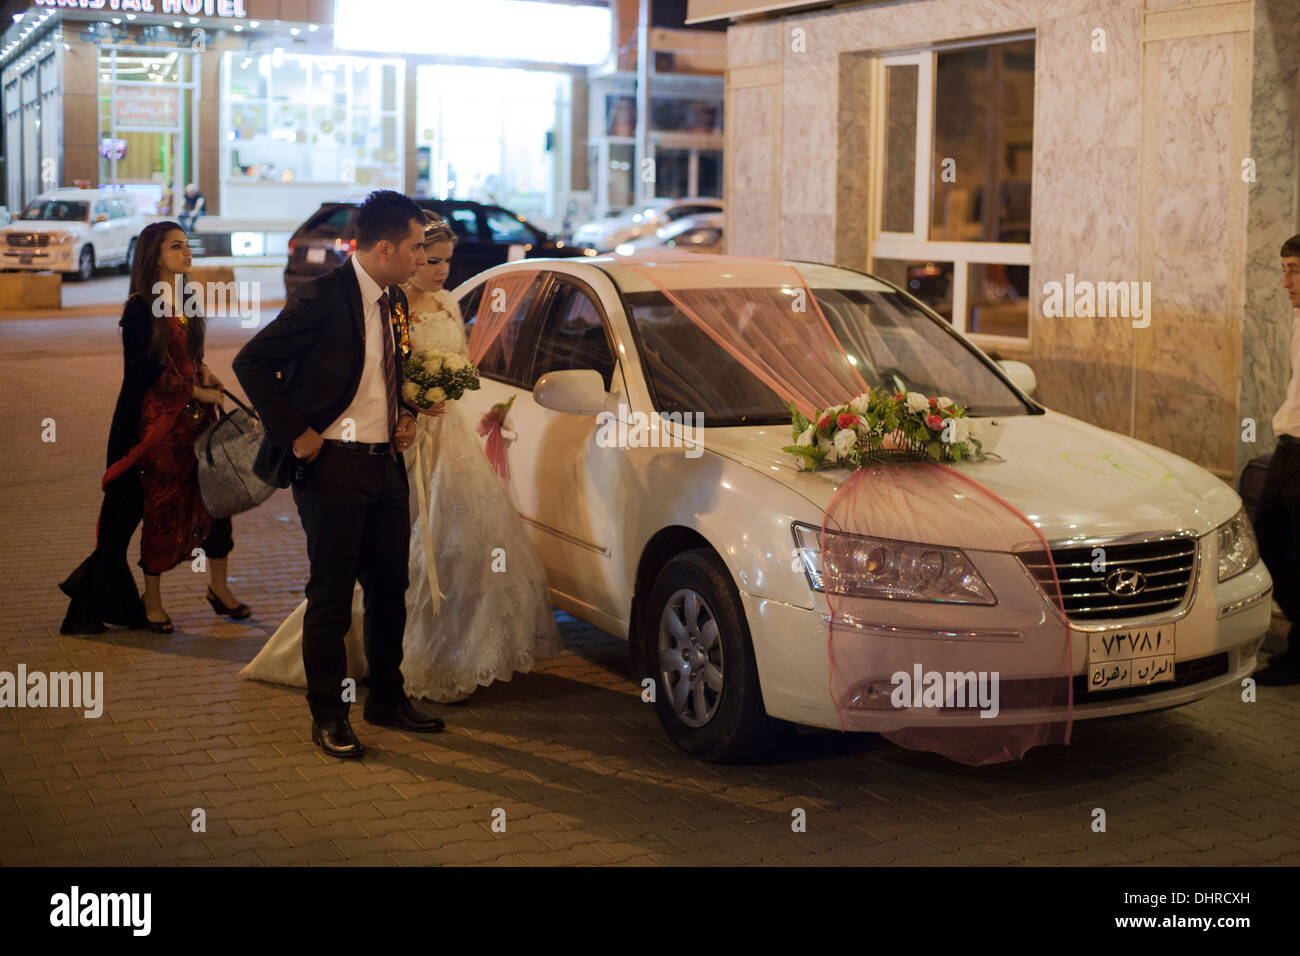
point(477, 607)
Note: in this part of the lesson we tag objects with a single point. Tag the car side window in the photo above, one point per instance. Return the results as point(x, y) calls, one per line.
point(507, 359)
point(101, 209)
point(464, 222)
point(571, 335)
point(507, 228)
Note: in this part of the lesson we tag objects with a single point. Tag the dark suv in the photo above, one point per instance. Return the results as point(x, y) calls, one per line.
point(487, 236)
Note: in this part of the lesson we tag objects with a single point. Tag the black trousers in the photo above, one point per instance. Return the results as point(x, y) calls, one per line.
point(354, 511)
point(1277, 526)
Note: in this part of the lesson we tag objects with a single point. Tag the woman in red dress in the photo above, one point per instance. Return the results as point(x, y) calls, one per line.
point(168, 397)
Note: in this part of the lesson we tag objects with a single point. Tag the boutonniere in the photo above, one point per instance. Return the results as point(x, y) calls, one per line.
point(403, 325)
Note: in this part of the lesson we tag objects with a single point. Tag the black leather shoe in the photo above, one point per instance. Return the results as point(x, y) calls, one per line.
point(403, 716)
point(336, 738)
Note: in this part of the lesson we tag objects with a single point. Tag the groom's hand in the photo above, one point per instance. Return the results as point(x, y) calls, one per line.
point(404, 434)
point(307, 445)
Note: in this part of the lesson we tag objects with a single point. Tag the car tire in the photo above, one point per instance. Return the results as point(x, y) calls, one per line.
point(696, 637)
point(130, 256)
point(86, 264)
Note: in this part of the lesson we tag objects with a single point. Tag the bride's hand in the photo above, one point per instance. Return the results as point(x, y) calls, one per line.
point(434, 410)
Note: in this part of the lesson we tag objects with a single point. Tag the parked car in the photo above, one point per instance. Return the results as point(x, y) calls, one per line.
point(702, 233)
point(642, 220)
point(655, 545)
point(6, 216)
point(489, 236)
point(74, 231)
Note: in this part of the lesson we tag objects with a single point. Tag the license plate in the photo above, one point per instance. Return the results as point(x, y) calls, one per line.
point(316, 256)
point(25, 260)
point(1131, 657)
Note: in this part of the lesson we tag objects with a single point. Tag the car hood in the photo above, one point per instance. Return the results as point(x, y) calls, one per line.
point(1074, 480)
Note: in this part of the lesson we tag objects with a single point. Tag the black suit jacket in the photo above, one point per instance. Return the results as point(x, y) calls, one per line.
point(302, 371)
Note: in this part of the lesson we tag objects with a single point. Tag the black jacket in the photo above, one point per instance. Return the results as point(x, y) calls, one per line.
point(316, 346)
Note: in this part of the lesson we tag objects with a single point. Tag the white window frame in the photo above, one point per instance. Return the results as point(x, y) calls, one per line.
point(916, 245)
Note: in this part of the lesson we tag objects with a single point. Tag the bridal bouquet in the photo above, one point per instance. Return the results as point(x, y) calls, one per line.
point(433, 376)
point(882, 425)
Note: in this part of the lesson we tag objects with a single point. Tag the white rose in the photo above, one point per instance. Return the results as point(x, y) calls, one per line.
point(455, 363)
point(844, 441)
point(944, 402)
point(916, 402)
point(434, 364)
point(832, 456)
point(806, 438)
point(859, 404)
point(435, 395)
point(410, 390)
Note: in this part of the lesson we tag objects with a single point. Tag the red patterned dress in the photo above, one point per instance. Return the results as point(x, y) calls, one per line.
point(175, 520)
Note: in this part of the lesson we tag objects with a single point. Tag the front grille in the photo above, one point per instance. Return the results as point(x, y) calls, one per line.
point(1166, 566)
point(28, 239)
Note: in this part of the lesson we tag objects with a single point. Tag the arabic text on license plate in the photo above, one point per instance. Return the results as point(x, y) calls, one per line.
point(316, 255)
point(1132, 657)
point(25, 260)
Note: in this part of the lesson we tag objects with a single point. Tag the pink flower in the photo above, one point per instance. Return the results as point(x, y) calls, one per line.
point(846, 420)
point(824, 423)
point(935, 422)
point(898, 396)
point(934, 403)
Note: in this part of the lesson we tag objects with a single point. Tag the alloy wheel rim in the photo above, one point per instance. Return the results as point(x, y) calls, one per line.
point(690, 657)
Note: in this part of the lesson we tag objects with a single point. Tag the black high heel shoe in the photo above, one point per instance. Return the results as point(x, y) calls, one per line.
point(159, 627)
point(234, 613)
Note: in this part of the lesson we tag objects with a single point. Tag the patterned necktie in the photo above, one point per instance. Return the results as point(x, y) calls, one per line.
point(390, 375)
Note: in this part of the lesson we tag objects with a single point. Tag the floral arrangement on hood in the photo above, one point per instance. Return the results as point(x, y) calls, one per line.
point(881, 425)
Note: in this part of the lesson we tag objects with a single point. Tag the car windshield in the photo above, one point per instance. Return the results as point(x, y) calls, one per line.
point(57, 210)
point(889, 340)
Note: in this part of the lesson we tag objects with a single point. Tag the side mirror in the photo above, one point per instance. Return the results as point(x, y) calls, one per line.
point(1021, 375)
point(579, 391)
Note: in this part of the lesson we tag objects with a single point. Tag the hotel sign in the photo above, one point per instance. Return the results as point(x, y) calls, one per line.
point(192, 8)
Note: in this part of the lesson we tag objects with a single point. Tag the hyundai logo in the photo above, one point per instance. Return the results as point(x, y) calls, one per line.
point(1124, 582)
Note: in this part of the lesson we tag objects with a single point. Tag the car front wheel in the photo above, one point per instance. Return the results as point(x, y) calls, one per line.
point(699, 653)
point(86, 264)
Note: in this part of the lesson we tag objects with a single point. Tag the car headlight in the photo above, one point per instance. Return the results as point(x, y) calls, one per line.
point(1238, 549)
point(883, 568)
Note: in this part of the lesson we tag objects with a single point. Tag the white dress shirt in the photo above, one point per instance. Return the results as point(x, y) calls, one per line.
point(1287, 419)
point(369, 408)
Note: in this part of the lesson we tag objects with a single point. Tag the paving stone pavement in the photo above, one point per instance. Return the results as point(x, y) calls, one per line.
point(568, 754)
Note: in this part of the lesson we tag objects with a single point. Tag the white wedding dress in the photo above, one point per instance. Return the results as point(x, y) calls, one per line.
point(495, 619)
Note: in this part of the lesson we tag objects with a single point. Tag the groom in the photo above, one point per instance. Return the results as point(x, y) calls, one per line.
point(325, 378)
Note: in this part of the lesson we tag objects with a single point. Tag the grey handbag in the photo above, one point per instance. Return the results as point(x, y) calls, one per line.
point(226, 450)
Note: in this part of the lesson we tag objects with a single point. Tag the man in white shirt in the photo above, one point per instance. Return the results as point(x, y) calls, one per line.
point(325, 377)
point(1277, 519)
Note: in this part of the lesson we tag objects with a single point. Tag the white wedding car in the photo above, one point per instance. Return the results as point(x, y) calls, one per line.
point(705, 557)
point(74, 231)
